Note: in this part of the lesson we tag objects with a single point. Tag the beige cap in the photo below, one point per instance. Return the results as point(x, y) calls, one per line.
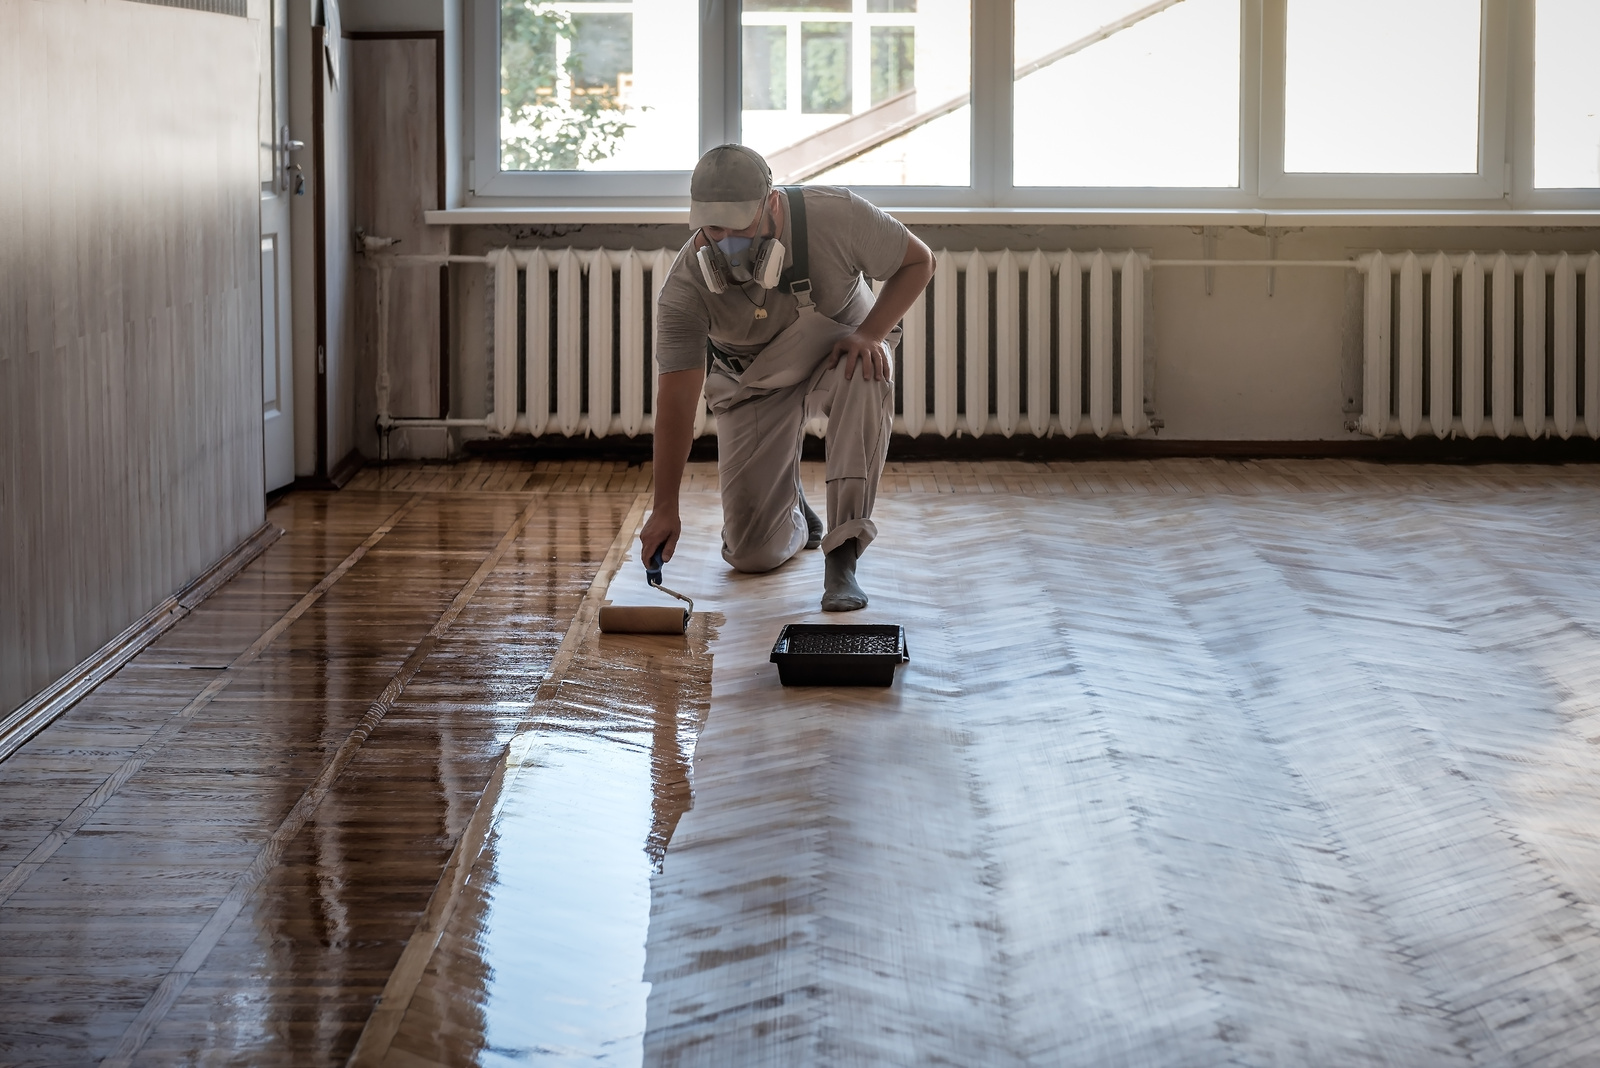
point(728, 186)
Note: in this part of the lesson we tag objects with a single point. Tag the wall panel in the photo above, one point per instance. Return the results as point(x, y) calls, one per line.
point(397, 167)
point(130, 336)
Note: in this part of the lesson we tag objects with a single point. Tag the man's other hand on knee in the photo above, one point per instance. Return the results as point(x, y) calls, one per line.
point(871, 353)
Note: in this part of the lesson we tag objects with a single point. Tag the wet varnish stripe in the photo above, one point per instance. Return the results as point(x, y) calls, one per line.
point(542, 951)
point(172, 985)
point(309, 953)
point(142, 756)
point(386, 1017)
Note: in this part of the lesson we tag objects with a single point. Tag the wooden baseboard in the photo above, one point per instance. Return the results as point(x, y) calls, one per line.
point(40, 710)
point(341, 473)
point(1419, 450)
point(1024, 446)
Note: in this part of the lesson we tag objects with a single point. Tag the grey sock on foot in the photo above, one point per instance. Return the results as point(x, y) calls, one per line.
point(839, 590)
point(813, 524)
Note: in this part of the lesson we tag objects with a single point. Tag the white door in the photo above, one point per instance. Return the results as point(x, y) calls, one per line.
point(279, 183)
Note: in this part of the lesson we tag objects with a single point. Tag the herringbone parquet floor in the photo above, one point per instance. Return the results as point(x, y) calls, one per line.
point(1195, 763)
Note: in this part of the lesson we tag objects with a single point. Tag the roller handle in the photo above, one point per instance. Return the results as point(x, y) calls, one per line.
point(652, 570)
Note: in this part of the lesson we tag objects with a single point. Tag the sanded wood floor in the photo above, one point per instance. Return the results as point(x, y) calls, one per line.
point(1195, 763)
point(1298, 778)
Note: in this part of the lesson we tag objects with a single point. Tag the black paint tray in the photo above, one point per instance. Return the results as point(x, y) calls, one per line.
point(839, 654)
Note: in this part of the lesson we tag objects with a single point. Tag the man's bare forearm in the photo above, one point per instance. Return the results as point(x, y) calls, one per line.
point(677, 399)
point(899, 292)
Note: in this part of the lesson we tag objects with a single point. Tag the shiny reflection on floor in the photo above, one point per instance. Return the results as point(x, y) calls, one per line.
point(567, 974)
point(544, 956)
point(294, 978)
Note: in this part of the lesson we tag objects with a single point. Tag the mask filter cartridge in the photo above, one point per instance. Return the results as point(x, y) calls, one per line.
point(737, 259)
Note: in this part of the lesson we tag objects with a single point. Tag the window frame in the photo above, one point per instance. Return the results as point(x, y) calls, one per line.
point(1487, 183)
point(643, 188)
point(1243, 195)
point(1520, 120)
point(1504, 179)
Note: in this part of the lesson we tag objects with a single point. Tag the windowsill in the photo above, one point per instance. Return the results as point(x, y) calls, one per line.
point(1291, 217)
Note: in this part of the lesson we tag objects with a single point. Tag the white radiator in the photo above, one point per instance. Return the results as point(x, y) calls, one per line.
point(1450, 358)
point(1060, 323)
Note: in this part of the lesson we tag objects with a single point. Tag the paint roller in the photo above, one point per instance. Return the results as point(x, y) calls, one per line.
point(645, 619)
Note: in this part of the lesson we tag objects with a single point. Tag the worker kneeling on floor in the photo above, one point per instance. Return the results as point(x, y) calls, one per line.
point(768, 314)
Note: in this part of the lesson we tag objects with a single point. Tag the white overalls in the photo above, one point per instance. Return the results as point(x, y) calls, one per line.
point(761, 413)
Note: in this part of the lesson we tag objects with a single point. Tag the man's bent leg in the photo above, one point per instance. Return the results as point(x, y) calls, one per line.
point(860, 419)
point(758, 471)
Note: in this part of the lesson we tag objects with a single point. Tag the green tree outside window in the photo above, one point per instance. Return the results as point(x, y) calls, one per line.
point(582, 124)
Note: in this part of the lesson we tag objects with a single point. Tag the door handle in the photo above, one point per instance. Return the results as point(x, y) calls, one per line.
point(286, 166)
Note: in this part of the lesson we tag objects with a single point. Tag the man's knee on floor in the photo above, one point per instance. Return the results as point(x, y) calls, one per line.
point(756, 557)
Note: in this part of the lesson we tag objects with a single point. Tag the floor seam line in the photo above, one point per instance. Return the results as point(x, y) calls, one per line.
point(86, 809)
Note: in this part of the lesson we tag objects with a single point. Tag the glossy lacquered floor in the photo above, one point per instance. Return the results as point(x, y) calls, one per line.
point(1194, 763)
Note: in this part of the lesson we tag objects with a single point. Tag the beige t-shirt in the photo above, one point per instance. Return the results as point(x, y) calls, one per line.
point(847, 237)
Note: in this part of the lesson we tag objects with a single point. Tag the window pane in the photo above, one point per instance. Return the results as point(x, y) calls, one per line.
point(893, 61)
point(602, 52)
point(877, 93)
point(766, 65)
point(797, 5)
point(578, 95)
point(825, 68)
point(1381, 87)
point(1566, 95)
point(1111, 93)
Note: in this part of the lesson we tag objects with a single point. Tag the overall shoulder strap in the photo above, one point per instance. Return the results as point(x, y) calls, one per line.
point(797, 279)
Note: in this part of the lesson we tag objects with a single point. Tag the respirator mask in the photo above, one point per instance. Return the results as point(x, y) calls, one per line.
point(741, 260)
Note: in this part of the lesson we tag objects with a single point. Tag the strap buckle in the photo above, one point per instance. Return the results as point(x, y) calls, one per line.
point(734, 365)
point(801, 288)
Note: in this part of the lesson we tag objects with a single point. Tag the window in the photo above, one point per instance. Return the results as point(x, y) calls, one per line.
point(577, 95)
point(825, 68)
point(894, 62)
point(1400, 101)
point(1126, 93)
point(859, 92)
point(1374, 100)
point(1566, 95)
point(1469, 104)
point(765, 55)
